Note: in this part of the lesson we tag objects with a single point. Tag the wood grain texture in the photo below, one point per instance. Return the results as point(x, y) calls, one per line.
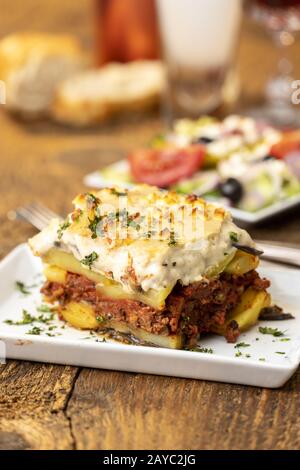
point(134, 411)
point(46, 406)
point(33, 399)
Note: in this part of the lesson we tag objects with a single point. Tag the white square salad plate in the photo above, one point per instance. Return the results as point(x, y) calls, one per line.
point(258, 359)
point(96, 180)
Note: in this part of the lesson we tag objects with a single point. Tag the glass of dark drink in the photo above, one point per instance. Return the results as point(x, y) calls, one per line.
point(126, 30)
point(281, 18)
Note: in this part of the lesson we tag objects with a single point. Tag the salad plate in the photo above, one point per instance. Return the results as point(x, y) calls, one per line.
point(247, 166)
point(267, 355)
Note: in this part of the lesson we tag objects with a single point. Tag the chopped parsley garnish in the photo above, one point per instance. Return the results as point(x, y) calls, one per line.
point(125, 219)
point(238, 354)
point(118, 193)
point(100, 318)
point(121, 216)
point(233, 237)
point(186, 318)
point(103, 340)
point(262, 359)
point(26, 319)
point(149, 234)
point(77, 214)
point(93, 200)
point(241, 345)
point(135, 220)
point(62, 227)
point(92, 335)
point(44, 318)
point(35, 330)
point(89, 259)
point(285, 339)
point(118, 216)
point(135, 224)
point(280, 352)
point(202, 350)
point(265, 330)
point(44, 308)
point(248, 355)
point(172, 241)
point(94, 224)
point(22, 288)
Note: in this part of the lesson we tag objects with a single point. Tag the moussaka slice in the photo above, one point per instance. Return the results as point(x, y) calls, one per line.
point(160, 266)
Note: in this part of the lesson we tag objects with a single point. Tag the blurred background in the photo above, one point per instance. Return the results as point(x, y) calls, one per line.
point(257, 58)
point(56, 126)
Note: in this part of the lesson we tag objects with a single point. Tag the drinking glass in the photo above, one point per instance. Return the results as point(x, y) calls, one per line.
point(199, 41)
point(281, 19)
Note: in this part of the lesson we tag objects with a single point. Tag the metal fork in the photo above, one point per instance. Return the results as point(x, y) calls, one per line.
point(36, 214)
point(39, 216)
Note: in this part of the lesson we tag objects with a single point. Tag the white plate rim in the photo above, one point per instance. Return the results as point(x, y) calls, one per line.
point(271, 375)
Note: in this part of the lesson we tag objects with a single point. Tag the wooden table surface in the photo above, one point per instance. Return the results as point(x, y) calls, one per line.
point(44, 406)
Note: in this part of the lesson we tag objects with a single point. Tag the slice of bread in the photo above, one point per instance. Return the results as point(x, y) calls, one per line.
point(31, 66)
point(97, 94)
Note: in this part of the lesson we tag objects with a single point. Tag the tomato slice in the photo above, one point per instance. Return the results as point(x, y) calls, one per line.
point(288, 144)
point(163, 167)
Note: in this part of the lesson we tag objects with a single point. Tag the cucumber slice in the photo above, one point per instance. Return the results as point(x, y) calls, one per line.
point(258, 194)
point(200, 184)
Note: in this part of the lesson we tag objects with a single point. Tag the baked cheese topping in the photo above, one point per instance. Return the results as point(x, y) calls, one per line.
point(144, 238)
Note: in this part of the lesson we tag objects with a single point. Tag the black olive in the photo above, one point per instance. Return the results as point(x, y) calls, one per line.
point(232, 189)
point(274, 313)
point(205, 140)
point(268, 157)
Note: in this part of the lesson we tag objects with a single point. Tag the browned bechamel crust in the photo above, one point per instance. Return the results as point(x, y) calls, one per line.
point(189, 310)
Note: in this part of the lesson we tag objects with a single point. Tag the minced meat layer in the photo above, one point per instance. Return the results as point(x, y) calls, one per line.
point(190, 310)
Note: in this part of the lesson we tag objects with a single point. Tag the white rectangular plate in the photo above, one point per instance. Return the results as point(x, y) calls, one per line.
point(264, 368)
point(96, 180)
